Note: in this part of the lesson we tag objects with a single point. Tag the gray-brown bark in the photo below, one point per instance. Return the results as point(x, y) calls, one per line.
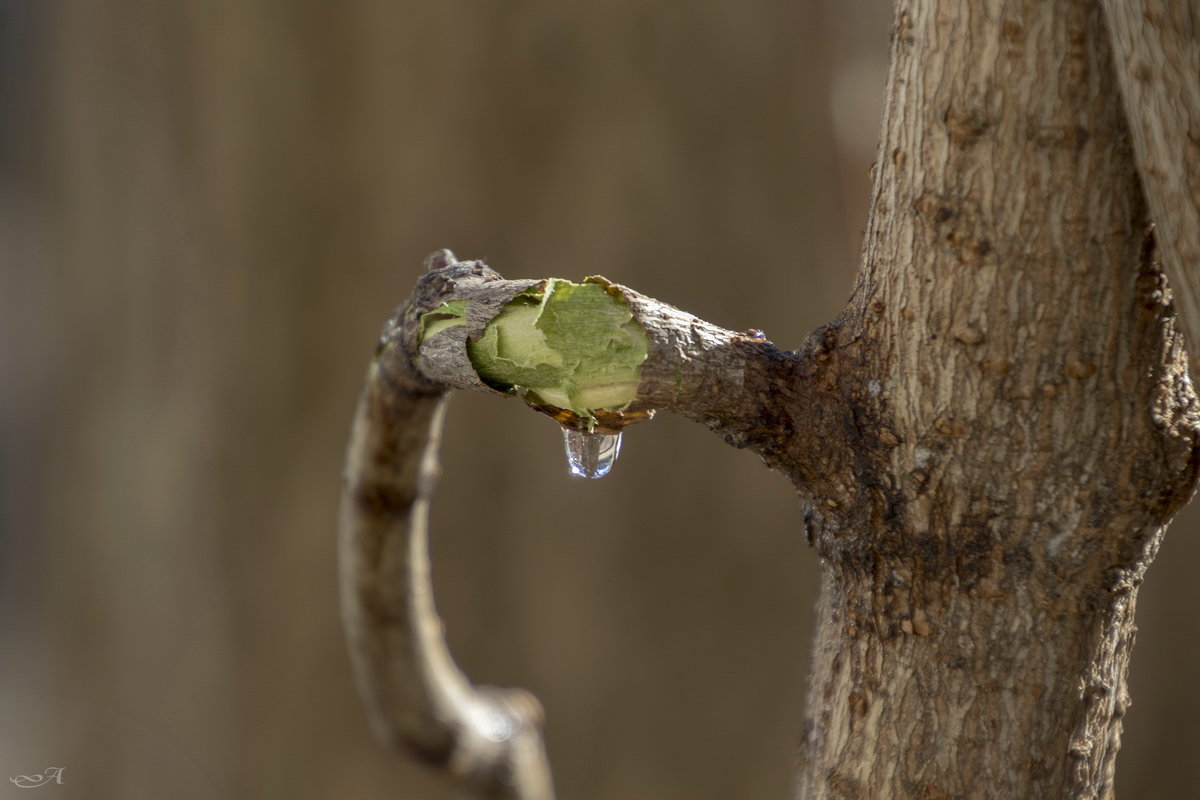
point(1022, 424)
point(989, 441)
point(489, 738)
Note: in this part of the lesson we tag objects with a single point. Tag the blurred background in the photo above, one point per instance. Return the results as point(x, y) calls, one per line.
point(207, 210)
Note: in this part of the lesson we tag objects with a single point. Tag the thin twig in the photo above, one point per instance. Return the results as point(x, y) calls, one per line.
point(489, 739)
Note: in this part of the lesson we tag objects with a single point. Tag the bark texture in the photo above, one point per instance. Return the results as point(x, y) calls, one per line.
point(1018, 423)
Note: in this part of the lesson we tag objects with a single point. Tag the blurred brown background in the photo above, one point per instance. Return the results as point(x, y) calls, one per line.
point(207, 209)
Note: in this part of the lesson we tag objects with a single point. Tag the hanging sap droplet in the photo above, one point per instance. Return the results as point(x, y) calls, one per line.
point(590, 455)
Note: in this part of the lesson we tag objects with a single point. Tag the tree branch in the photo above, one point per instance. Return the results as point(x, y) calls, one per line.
point(708, 374)
point(417, 698)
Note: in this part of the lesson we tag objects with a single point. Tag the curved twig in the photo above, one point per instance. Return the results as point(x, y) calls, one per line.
point(417, 697)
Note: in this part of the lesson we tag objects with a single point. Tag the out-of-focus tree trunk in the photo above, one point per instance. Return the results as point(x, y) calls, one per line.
point(1157, 60)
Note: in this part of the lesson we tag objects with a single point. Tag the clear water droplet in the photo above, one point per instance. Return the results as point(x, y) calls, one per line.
point(590, 455)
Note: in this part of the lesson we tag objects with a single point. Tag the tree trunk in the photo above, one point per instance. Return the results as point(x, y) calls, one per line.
point(1014, 427)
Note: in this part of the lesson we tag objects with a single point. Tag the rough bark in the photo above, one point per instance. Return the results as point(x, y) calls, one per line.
point(989, 442)
point(1019, 423)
